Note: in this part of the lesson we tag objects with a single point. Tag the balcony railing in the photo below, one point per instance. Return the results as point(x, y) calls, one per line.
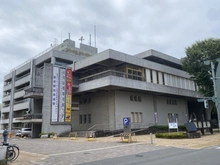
point(32, 116)
point(112, 73)
point(21, 101)
point(34, 90)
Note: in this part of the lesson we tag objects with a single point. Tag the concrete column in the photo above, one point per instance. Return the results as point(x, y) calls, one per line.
point(53, 60)
point(12, 101)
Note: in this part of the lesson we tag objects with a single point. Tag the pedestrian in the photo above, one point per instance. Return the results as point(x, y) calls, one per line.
point(5, 136)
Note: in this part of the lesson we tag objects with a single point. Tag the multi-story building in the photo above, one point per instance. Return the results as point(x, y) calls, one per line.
point(67, 88)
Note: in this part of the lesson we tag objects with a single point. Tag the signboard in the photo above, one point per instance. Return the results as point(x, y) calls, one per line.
point(55, 94)
point(173, 125)
point(62, 94)
point(68, 95)
point(126, 121)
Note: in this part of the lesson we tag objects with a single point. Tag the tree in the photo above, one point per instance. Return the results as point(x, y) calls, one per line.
point(194, 63)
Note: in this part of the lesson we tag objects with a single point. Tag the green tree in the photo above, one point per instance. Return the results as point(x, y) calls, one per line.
point(194, 63)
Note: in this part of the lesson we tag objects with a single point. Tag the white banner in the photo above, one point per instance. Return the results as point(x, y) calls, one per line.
point(55, 94)
point(62, 94)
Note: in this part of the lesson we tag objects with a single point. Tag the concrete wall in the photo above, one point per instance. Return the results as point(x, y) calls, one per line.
point(46, 109)
point(163, 109)
point(98, 107)
point(124, 106)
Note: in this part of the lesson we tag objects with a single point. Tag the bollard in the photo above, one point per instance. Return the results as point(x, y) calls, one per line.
point(151, 138)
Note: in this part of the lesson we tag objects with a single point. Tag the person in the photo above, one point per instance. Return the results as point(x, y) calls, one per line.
point(5, 136)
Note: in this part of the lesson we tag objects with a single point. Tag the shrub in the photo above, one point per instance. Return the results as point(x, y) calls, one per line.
point(165, 128)
point(51, 134)
point(176, 135)
point(42, 133)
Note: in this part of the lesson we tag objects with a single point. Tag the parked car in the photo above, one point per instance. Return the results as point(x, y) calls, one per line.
point(26, 132)
point(18, 133)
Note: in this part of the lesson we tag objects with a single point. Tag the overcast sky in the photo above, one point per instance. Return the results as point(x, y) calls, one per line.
point(27, 27)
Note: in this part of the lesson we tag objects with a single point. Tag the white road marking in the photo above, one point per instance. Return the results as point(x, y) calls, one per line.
point(65, 153)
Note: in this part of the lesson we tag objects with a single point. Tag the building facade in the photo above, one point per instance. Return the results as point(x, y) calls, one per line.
point(71, 89)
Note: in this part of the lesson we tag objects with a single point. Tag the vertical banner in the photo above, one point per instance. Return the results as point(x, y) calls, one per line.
point(55, 94)
point(62, 94)
point(68, 95)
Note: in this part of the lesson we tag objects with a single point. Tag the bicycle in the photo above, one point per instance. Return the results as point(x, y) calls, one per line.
point(12, 152)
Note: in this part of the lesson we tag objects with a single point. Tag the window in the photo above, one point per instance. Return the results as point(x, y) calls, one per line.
point(89, 118)
point(80, 119)
point(136, 117)
point(172, 117)
point(171, 102)
point(85, 119)
point(132, 117)
point(135, 98)
point(135, 73)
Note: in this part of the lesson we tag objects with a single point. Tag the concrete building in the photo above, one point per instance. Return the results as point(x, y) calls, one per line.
point(67, 88)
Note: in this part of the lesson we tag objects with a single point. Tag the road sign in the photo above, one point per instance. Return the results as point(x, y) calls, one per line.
point(126, 121)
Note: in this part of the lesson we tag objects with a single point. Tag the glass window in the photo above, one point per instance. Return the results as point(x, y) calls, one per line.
point(89, 118)
point(80, 119)
point(85, 119)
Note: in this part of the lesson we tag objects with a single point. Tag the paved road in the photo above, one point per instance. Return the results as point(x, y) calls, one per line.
point(168, 156)
point(52, 152)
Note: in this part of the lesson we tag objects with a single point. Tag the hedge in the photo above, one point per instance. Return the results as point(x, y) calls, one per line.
point(173, 135)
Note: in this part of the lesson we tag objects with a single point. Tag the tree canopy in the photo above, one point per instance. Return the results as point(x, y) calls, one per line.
point(194, 63)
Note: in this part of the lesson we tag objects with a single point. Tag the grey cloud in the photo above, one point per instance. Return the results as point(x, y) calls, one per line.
point(28, 27)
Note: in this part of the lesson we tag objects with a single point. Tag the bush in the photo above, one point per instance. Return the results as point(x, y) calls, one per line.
point(176, 135)
point(42, 134)
point(165, 128)
point(51, 134)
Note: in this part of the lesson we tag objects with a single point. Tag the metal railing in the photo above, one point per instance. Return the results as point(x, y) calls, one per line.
point(32, 116)
point(112, 73)
point(40, 54)
point(119, 126)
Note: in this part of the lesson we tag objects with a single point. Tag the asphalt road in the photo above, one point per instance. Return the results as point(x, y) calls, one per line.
point(168, 156)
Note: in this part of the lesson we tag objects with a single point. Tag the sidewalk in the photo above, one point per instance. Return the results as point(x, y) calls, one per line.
point(206, 140)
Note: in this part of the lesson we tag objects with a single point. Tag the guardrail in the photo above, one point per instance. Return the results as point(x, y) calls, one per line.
point(111, 73)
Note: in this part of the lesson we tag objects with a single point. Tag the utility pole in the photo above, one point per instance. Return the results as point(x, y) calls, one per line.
point(214, 78)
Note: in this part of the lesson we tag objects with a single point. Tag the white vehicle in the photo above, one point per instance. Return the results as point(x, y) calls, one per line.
point(26, 132)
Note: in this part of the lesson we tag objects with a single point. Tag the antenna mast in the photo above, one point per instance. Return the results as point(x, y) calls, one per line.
point(95, 35)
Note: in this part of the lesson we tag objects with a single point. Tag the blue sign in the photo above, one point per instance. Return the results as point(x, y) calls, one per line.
point(126, 121)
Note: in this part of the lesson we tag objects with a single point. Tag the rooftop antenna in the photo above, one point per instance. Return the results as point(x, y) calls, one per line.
point(90, 43)
point(95, 35)
point(81, 39)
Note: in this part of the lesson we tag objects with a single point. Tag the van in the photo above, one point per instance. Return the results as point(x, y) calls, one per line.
point(26, 132)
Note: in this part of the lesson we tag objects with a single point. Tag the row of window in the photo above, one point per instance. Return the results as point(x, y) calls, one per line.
point(135, 98)
point(171, 102)
point(136, 117)
point(85, 119)
point(85, 101)
point(172, 117)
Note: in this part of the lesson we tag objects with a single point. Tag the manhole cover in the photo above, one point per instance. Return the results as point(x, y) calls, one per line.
point(86, 153)
point(139, 155)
